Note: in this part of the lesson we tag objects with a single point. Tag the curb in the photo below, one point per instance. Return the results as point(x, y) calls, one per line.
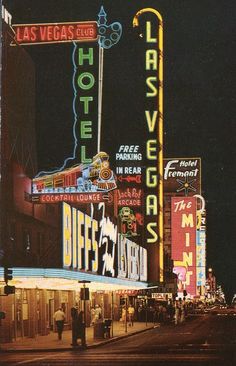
point(80, 348)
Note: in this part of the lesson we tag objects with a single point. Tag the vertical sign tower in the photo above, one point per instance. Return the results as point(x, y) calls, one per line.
point(154, 147)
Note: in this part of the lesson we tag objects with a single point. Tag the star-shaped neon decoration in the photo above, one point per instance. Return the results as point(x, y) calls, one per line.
point(186, 186)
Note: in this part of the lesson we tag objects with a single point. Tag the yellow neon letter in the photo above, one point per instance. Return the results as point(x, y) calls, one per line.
point(150, 80)
point(151, 60)
point(187, 220)
point(95, 246)
point(151, 226)
point(151, 121)
point(87, 226)
point(67, 255)
point(80, 238)
point(151, 149)
point(151, 177)
point(151, 204)
point(148, 34)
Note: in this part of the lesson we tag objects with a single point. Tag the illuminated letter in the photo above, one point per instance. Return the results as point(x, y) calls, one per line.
point(152, 87)
point(151, 149)
point(143, 264)
point(187, 239)
point(151, 121)
point(151, 229)
point(188, 259)
point(74, 241)
point(168, 167)
point(151, 179)
point(188, 274)
point(87, 241)
point(148, 34)
point(95, 246)
point(83, 156)
point(151, 60)
point(83, 56)
point(85, 129)
point(80, 238)
point(67, 252)
point(86, 101)
point(81, 83)
point(151, 205)
point(187, 220)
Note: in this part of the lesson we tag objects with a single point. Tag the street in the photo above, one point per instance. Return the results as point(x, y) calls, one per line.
point(205, 339)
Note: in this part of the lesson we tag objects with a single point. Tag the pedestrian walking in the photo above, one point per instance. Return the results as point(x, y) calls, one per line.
point(177, 312)
point(169, 311)
point(74, 316)
point(59, 317)
point(123, 315)
point(182, 312)
point(131, 315)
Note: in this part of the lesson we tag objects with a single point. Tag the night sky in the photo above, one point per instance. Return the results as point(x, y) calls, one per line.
point(199, 96)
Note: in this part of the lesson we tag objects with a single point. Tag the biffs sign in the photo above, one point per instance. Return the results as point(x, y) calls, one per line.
point(183, 232)
point(91, 243)
point(30, 34)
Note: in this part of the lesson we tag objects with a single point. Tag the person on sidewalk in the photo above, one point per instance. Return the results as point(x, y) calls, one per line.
point(177, 312)
point(59, 317)
point(182, 310)
point(78, 327)
point(74, 316)
point(81, 328)
point(131, 315)
point(93, 317)
point(97, 313)
point(123, 315)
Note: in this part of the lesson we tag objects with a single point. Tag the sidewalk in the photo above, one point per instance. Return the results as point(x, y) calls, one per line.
point(51, 343)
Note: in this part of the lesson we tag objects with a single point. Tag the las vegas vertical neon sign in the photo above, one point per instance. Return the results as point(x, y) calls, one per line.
point(154, 122)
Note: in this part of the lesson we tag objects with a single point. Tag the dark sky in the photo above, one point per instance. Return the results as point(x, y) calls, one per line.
point(199, 97)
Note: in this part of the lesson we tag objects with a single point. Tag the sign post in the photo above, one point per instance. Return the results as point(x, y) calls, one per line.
point(84, 295)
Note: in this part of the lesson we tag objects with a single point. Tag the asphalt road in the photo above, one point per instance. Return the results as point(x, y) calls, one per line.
point(208, 339)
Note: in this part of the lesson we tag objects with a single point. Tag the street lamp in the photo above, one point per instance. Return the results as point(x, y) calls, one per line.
point(84, 295)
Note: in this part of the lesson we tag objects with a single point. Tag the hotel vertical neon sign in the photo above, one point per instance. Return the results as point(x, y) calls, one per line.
point(154, 148)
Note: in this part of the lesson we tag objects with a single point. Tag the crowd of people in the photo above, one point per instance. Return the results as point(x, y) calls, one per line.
point(166, 311)
point(157, 312)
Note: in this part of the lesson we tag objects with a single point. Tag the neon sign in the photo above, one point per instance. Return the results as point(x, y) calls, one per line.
point(153, 116)
point(132, 260)
point(6, 16)
point(129, 197)
point(183, 233)
point(91, 242)
point(182, 175)
point(30, 34)
point(96, 176)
